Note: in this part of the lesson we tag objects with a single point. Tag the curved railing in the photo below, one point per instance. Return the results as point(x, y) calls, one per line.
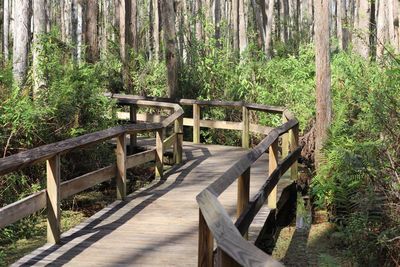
point(56, 190)
point(214, 222)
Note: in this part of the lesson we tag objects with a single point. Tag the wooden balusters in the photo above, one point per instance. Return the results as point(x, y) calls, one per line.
point(196, 123)
point(206, 244)
point(273, 164)
point(53, 199)
point(245, 127)
point(160, 134)
point(293, 144)
point(133, 136)
point(120, 152)
point(179, 140)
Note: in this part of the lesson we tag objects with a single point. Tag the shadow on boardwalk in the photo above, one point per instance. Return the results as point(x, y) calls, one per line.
point(99, 232)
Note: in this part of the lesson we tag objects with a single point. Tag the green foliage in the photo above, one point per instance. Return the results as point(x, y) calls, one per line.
point(358, 181)
point(69, 103)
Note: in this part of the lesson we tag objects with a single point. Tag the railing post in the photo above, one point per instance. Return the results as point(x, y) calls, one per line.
point(245, 127)
point(206, 244)
point(224, 260)
point(53, 200)
point(133, 136)
point(294, 143)
point(160, 152)
point(243, 193)
point(121, 166)
point(273, 164)
point(285, 140)
point(179, 140)
point(196, 123)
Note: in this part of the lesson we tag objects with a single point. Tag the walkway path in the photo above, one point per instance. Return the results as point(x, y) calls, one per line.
point(156, 226)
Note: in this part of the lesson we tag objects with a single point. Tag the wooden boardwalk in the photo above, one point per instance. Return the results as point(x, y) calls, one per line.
point(157, 225)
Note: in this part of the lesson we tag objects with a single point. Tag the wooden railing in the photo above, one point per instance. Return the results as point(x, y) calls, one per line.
point(214, 221)
point(56, 190)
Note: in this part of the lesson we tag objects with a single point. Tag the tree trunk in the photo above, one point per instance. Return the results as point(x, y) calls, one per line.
point(217, 15)
point(92, 52)
point(323, 76)
point(382, 28)
point(6, 29)
point(79, 30)
point(133, 27)
point(235, 24)
point(361, 35)
point(39, 27)
point(242, 26)
point(168, 18)
point(21, 40)
point(268, 27)
point(156, 30)
point(199, 27)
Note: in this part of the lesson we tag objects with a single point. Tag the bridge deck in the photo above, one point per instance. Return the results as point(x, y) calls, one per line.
point(157, 225)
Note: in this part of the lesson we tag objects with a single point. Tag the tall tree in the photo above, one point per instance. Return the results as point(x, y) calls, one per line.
point(6, 28)
point(168, 19)
point(323, 76)
point(21, 40)
point(39, 27)
point(133, 26)
point(91, 36)
point(242, 26)
point(361, 35)
point(156, 29)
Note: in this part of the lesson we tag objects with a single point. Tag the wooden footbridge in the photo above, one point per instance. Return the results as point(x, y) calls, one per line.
point(206, 210)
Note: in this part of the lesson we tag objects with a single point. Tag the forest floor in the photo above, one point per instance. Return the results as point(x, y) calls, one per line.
point(317, 246)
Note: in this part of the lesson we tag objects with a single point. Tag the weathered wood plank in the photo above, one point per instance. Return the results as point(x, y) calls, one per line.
point(169, 141)
point(245, 219)
point(53, 200)
point(159, 153)
point(196, 123)
point(206, 244)
point(22, 159)
point(83, 182)
point(227, 235)
point(22, 208)
point(245, 128)
point(272, 165)
point(255, 128)
point(140, 158)
point(178, 148)
point(133, 136)
point(120, 153)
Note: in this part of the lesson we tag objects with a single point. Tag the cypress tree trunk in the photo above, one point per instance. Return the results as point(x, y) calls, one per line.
point(323, 76)
point(6, 29)
point(21, 40)
point(168, 19)
point(92, 52)
point(39, 27)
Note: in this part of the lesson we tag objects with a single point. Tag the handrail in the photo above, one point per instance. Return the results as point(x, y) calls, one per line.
point(214, 220)
point(57, 190)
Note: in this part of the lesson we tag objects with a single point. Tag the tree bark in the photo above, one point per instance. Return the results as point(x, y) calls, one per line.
point(21, 40)
point(235, 24)
point(323, 76)
point(39, 28)
point(382, 28)
point(168, 19)
point(361, 35)
point(124, 32)
point(91, 36)
point(6, 29)
point(242, 27)
point(156, 30)
point(133, 26)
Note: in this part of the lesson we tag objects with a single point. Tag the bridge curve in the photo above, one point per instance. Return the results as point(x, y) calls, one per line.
point(161, 224)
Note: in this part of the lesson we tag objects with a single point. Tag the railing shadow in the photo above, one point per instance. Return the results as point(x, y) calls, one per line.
point(184, 169)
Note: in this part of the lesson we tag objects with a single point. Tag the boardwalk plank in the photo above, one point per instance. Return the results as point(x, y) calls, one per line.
point(157, 225)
